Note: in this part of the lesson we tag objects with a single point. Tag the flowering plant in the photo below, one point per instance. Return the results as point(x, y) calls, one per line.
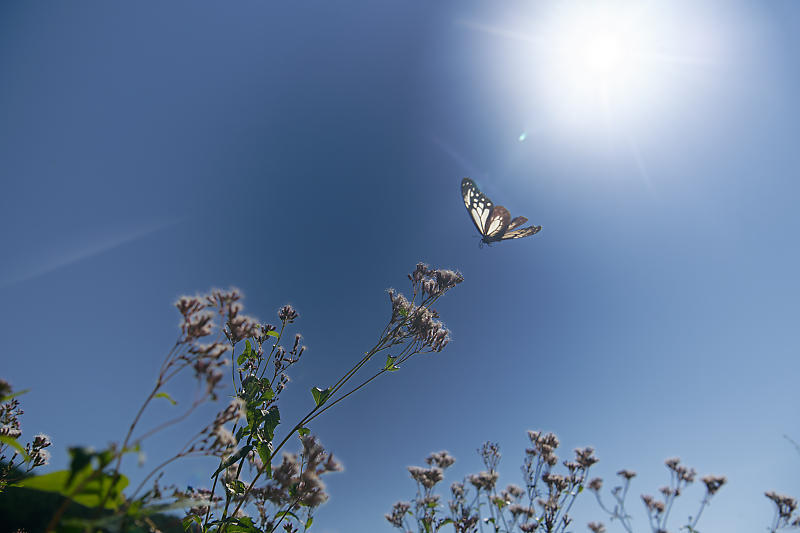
point(543, 504)
point(253, 489)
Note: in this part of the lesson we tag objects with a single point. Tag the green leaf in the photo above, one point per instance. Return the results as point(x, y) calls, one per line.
point(92, 493)
point(273, 334)
point(272, 417)
point(303, 432)
point(282, 514)
point(81, 458)
point(264, 450)
point(320, 395)
point(242, 432)
point(248, 353)
point(11, 441)
point(236, 487)
point(13, 395)
point(390, 366)
point(187, 522)
point(242, 525)
point(241, 452)
point(309, 522)
point(167, 396)
point(444, 523)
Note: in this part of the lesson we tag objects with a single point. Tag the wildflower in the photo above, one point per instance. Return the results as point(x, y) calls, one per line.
point(441, 459)
point(240, 327)
point(427, 477)
point(197, 326)
point(652, 504)
point(596, 484)
point(517, 510)
point(556, 482)
point(786, 505)
point(714, 483)
point(287, 314)
point(515, 491)
point(597, 527)
point(399, 511)
point(585, 456)
point(484, 480)
point(626, 474)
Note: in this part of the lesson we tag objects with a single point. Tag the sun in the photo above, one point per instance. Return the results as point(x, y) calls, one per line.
point(594, 62)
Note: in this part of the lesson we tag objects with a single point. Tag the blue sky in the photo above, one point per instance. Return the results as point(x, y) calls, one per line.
point(313, 153)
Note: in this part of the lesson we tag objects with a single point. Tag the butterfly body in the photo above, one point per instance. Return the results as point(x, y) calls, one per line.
point(493, 222)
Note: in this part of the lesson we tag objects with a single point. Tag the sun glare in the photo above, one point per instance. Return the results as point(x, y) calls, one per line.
point(592, 62)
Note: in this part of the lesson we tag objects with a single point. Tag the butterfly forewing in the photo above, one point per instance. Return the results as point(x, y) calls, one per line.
point(478, 206)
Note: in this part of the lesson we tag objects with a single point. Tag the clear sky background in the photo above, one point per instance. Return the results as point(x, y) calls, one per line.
point(312, 153)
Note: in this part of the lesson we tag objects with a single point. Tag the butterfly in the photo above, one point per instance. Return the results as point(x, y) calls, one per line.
point(494, 222)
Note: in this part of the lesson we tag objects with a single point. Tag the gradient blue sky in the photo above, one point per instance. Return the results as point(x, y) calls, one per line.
point(312, 153)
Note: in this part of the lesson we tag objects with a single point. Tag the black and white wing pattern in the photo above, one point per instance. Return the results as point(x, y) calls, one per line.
point(493, 222)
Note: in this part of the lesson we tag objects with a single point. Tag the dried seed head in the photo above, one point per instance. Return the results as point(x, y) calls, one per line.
point(714, 483)
point(596, 527)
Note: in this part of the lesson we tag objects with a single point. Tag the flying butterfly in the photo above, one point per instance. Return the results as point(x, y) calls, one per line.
point(494, 222)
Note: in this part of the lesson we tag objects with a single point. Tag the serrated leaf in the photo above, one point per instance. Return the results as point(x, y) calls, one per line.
point(272, 417)
point(320, 395)
point(167, 396)
point(264, 450)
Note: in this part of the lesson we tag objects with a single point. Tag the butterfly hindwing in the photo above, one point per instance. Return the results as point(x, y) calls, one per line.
point(493, 222)
point(498, 222)
point(518, 221)
point(522, 232)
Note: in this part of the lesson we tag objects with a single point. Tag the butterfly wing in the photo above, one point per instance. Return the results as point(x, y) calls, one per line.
point(518, 221)
point(493, 222)
point(497, 223)
point(522, 232)
point(478, 205)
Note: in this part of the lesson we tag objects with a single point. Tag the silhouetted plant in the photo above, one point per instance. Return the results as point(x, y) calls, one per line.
point(542, 505)
point(785, 507)
point(243, 434)
point(23, 459)
point(658, 510)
